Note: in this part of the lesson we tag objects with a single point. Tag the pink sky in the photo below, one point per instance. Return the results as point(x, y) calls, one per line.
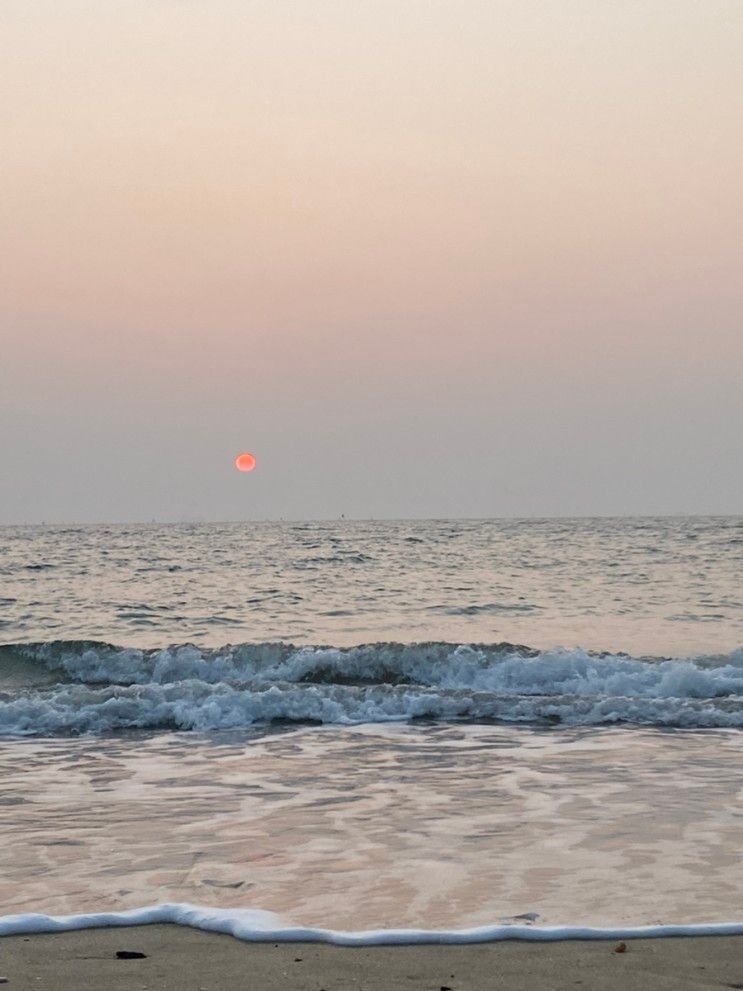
point(425, 258)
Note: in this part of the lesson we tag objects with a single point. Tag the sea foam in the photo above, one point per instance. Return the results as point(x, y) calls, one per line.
point(102, 688)
point(258, 926)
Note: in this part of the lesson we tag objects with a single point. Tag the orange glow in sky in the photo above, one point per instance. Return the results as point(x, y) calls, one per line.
point(371, 226)
point(245, 462)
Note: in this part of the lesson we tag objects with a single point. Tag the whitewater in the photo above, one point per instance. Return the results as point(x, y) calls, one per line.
point(103, 688)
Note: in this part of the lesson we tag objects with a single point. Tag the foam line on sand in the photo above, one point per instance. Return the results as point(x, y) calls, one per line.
point(255, 925)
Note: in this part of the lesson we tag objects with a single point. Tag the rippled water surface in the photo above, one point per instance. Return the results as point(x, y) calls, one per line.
point(507, 718)
point(432, 826)
point(647, 586)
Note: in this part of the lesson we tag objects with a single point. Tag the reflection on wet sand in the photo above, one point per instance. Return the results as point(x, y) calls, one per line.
point(422, 825)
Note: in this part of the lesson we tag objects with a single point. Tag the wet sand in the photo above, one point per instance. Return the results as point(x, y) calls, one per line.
point(180, 959)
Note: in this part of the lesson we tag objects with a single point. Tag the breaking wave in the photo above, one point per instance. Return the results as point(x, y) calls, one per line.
point(65, 687)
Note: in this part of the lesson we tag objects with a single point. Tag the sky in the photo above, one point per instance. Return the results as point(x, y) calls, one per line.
point(423, 258)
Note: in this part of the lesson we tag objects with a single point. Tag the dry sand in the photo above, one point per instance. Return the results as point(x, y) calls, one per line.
point(180, 959)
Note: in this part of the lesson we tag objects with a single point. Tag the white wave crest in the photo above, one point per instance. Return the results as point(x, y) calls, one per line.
point(182, 687)
point(501, 668)
point(194, 705)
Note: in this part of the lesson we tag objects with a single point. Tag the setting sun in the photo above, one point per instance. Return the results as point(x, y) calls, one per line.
point(245, 462)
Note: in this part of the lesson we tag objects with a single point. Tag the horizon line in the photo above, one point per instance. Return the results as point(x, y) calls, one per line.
point(198, 521)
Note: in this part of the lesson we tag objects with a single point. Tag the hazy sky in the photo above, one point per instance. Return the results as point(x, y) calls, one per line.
point(421, 257)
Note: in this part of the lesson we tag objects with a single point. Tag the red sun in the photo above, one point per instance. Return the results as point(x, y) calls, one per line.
point(245, 462)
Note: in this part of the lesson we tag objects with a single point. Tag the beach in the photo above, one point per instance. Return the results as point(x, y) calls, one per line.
point(365, 727)
point(180, 959)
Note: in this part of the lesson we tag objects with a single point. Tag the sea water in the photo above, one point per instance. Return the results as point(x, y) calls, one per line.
point(375, 725)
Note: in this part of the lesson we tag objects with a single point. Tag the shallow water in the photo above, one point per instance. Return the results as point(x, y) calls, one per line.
point(425, 826)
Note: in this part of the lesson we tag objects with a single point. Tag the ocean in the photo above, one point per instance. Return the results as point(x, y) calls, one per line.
point(375, 724)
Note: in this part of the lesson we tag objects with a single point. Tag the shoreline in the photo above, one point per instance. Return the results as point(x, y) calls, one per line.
point(260, 926)
point(176, 958)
